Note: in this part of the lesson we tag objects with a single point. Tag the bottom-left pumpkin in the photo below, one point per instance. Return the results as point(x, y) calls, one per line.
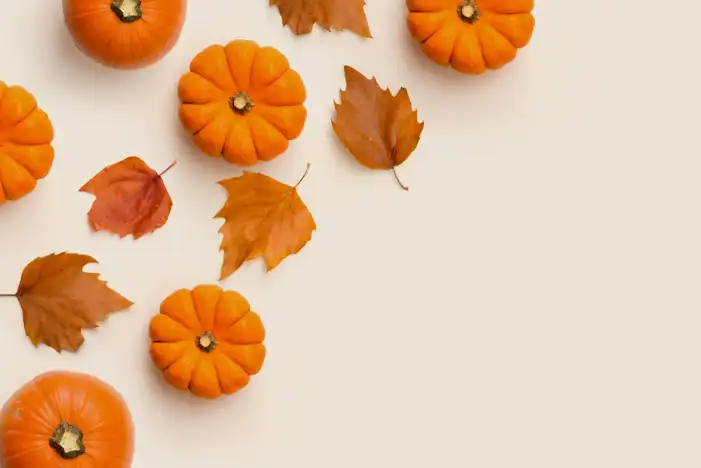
point(64, 419)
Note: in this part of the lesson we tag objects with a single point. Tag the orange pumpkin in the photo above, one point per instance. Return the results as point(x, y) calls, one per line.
point(207, 341)
point(471, 36)
point(242, 102)
point(26, 133)
point(125, 33)
point(64, 419)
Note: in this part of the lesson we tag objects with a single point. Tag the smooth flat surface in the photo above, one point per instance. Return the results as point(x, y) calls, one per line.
point(532, 301)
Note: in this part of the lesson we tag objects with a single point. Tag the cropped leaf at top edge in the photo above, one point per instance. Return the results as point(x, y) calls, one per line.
point(301, 15)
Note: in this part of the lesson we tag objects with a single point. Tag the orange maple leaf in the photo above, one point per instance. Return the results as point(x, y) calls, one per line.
point(379, 129)
point(130, 198)
point(263, 218)
point(300, 15)
point(58, 300)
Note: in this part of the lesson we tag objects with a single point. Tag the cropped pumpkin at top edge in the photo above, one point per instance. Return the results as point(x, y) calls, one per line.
point(125, 34)
point(63, 419)
point(207, 341)
point(472, 36)
point(242, 102)
point(26, 134)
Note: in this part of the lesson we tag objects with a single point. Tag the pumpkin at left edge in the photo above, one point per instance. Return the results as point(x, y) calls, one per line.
point(63, 419)
point(125, 34)
point(26, 134)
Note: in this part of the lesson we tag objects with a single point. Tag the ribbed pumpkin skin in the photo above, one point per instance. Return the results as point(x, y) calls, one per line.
point(271, 95)
point(487, 39)
point(233, 332)
point(26, 133)
point(30, 417)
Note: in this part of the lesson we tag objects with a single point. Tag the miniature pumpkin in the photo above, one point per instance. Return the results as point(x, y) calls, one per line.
point(125, 33)
point(26, 133)
point(207, 341)
point(242, 102)
point(471, 36)
point(64, 419)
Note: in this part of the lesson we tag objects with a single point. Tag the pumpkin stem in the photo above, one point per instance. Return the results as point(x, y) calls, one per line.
point(241, 103)
point(468, 11)
point(67, 441)
point(168, 168)
point(127, 11)
point(8, 295)
point(206, 342)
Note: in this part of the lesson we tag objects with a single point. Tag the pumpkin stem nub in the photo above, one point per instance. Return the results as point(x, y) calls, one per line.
point(241, 103)
point(127, 11)
point(468, 11)
point(206, 342)
point(67, 441)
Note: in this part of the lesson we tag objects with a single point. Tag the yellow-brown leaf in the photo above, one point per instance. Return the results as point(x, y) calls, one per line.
point(58, 300)
point(300, 15)
point(263, 218)
point(380, 130)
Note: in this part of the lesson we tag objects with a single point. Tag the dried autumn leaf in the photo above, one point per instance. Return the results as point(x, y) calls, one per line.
point(130, 198)
point(300, 15)
point(379, 129)
point(263, 218)
point(58, 300)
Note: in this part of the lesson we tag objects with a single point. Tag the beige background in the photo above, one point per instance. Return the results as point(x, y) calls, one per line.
point(532, 301)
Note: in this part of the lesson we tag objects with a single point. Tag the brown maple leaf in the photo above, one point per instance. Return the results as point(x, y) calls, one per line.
point(300, 15)
point(263, 218)
point(58, 300)
point(130, 198)
point(379, 129)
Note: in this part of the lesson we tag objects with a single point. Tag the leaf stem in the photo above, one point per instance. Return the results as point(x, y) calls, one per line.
point(394, 171)
point(306, 171)
point(168, 168)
